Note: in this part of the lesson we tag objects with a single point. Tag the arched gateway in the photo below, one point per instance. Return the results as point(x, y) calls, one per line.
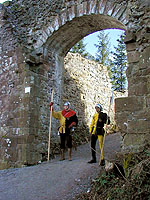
point(34, 38)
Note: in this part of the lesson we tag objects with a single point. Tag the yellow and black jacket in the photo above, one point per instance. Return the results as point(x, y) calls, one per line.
point(97, 124)
point(67, 119)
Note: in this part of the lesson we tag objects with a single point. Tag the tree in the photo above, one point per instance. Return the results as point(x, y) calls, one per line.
point(118, 66)
point(79, 47)
point(103, 46)
point(89, 56)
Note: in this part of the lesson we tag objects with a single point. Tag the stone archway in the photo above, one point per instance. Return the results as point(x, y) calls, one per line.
point(32, 50)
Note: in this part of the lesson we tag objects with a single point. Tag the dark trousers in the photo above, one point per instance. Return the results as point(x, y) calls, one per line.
point(93, 145)
point(65, 139)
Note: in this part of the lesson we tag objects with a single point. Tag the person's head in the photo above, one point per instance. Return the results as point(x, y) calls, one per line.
point(98, 107)
point(66, 105)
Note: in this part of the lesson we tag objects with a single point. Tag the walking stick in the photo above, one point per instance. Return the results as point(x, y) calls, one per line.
point(111, 101)
point(91, 147)
point(50, 122)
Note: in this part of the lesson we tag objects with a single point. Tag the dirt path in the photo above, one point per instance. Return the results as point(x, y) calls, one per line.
point(57, 179)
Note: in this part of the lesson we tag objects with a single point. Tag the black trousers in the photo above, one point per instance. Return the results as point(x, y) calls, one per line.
point(65, 139)
point(93, 145)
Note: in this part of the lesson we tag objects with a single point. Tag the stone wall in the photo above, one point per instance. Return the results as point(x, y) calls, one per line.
point(35, 36)
point(87, 83)
point(132, 113)
point(21, 104)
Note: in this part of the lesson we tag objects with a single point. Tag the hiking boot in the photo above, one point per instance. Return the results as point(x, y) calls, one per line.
point(102, 163)
point(69, 154)
point(62, 157)
point(92, 161)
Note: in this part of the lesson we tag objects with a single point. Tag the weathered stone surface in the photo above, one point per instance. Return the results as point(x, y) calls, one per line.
point(133, 57)
point(87, 83)
point(128, 104)
point(138, 126)
point(35, 37)
point(132, 143)
point(131, 46)
point(130, 37)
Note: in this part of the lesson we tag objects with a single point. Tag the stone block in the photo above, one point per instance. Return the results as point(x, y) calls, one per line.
point(13, 154)
point(10, 54)
point(30, 139)
point(143, 114)
point(32, 156)
point(21, 152)
point(20, 57)
point(135, 141)
point(139, 126)
point(144, 62)
point(121, 119)
point(147, 36)
point(128, 104)
point(4, 165)
point(131, 70)
point(139, 89)
point(131, 46)
point(130, 37)
point(147, 99)
point(22, 139)
point(130, 140)
point(133, 56)
point(16, 114)
point(2, 151)
point(138, 79)
point(146, 71)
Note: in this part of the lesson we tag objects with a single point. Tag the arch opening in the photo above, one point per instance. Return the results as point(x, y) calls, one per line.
point(47, 40)
point(73, 31)
point(60, 43)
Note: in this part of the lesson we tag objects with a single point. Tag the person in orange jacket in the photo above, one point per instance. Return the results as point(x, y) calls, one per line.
point(68, 120)
point(96, 131)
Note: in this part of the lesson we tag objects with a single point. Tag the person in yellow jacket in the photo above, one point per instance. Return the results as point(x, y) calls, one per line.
point(68, 120)
point(96, 131)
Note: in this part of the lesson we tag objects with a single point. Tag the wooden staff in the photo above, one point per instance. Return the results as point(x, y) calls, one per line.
point(111, 101)
point(50, 122)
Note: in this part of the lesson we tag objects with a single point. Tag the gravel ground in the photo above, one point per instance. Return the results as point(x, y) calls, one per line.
point(56, 179)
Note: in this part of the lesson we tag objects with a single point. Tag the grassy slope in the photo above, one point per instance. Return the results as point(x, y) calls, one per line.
point(134, 186)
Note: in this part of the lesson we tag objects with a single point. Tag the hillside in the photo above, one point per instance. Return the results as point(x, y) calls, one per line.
point(135, 185)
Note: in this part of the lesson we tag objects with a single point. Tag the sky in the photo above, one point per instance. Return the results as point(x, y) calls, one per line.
point(1, 1)
point(92, 39)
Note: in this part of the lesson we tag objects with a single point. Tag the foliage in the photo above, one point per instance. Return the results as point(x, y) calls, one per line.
point(118, 65)
point(108, 186)
point(102, 55)
point(126, 162)
point(80, 48)
point(89, 56)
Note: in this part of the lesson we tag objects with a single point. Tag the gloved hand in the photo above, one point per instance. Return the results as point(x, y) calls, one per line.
point(50, 105)
point(72, 124)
